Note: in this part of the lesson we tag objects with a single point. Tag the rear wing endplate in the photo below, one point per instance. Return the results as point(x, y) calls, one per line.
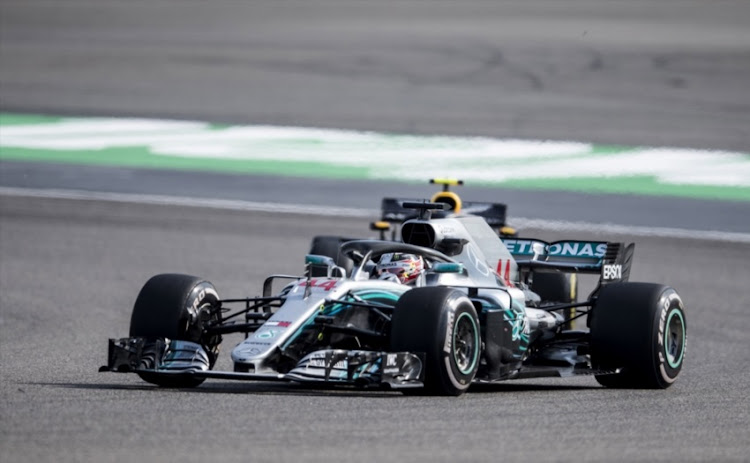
point(612, 261)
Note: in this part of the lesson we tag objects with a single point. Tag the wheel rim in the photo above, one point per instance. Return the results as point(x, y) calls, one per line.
point(674, 345)
point(465, 343)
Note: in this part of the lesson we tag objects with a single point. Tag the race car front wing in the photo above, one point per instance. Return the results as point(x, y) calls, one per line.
point(396, 370)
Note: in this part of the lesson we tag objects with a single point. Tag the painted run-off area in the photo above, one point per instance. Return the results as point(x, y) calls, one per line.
point(338, 154)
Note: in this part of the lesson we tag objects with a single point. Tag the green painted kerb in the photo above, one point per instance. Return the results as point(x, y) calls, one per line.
point(139, 157)
point(26, 119)
point(332, 154)
point(639, 184)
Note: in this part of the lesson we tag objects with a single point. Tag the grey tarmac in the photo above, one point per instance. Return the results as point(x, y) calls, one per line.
point(635, 72)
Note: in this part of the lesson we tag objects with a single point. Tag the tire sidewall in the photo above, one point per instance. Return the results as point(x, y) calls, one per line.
point(457, 311)
point(202, 295)
point(669, 306)
point(630, 331)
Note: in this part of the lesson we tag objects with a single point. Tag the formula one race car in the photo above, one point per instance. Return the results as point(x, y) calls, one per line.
point(453, 322)
point(561, 287)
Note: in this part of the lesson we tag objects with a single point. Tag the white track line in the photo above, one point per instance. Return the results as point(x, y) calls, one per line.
point(226, 204)
point(241, 205)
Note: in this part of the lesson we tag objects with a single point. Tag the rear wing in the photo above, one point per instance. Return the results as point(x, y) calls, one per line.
point(611, 261)
point(393, 211)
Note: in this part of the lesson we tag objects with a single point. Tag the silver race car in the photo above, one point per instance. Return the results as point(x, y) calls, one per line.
point(447, 306)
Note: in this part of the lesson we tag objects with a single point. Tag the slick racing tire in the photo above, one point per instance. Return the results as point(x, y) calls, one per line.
point(639, 327)
point(176, 306)
point(329, 246)
point(442, 323)
point(561, 288)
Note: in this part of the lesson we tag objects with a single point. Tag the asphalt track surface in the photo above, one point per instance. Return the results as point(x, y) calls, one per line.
point(661, 73)
point(71, 271)
point(365, 196)
point(631, 72)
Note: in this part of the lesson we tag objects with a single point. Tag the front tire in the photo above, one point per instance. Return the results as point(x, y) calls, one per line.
point(639, 327)
point(176, 307)
point(442, 323)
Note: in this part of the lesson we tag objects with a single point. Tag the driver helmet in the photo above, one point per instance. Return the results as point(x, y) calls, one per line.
point(405, 267)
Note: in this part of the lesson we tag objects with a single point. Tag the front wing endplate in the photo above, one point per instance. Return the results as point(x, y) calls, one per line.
point(158, 355)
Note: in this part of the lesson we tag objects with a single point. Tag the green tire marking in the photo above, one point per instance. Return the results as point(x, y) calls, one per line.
point(476, 344)
point(674, 363)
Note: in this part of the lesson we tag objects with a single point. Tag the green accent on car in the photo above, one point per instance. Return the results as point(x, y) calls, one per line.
point(369, 294)
point(448, 267)
point(317, 260)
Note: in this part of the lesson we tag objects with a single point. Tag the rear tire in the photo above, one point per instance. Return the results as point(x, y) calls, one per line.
point(175, 306)
point(330, 246)
point(639, 327)
point(442, 323)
